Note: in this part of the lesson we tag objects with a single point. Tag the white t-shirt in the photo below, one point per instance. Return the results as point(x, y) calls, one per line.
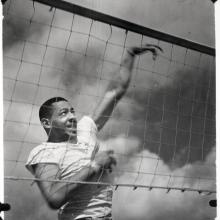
point(89, 200)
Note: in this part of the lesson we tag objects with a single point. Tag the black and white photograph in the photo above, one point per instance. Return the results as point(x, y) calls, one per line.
point(109, 109)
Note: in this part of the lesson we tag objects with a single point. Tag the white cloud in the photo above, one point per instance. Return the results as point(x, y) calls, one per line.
point(157, 203)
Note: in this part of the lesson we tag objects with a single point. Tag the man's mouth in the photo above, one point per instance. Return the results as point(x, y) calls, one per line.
point(72, 126)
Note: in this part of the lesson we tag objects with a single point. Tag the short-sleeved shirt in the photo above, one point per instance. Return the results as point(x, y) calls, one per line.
point(88, 200)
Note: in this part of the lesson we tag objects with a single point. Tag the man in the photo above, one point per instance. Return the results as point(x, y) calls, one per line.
point(71, 152)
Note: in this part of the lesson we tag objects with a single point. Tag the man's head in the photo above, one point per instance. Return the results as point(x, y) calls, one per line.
point(58, 119)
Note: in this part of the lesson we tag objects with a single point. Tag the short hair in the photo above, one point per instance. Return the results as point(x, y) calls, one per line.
point(46, 108)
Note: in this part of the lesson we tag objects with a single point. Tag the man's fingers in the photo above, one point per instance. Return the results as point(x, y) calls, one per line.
point(113, 160)
point(153, 45)
point(155, 53)
point(147, 47)
point(153, 49)
point(111, 163)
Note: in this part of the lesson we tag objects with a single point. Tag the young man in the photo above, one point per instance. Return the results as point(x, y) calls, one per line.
point(71, 152)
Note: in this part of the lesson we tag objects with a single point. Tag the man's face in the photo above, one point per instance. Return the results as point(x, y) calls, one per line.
point(63, 121)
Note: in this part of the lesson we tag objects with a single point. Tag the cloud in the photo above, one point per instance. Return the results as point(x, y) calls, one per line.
point(17, 25)
point(157, 203)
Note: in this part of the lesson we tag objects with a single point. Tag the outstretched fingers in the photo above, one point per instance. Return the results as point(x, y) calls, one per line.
point(111, 157)
point(112, 161)
point(154, 49)
point(153, 45)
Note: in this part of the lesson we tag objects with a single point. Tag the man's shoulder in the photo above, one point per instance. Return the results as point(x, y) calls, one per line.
point(37, 148)
point(43, 146)
point(43, 153)
point(86, 119)
point(87, 130)
point(87, 123)
point(43, 149)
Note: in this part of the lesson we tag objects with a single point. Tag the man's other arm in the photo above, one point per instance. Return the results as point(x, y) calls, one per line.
point(118, 86)
point(58, 193)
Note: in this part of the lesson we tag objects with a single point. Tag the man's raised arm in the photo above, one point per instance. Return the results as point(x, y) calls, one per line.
point(118, 86)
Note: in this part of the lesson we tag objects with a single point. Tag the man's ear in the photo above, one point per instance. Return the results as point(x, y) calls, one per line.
point(46, 123)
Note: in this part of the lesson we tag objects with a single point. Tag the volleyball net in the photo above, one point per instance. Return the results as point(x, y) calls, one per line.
point(163, 129)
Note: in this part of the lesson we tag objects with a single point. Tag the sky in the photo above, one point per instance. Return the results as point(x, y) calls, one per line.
point(135, 128)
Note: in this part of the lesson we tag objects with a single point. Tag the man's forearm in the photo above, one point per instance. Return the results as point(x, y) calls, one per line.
point(59, 193)
point(126, 70)
point(120, 83)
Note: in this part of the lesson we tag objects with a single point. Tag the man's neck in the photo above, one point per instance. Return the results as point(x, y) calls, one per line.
point(68, 139)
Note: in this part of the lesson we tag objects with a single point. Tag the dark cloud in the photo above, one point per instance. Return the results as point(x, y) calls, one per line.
point(80, 71)
point(18, 23)
point(175, 120)
point(13, 28)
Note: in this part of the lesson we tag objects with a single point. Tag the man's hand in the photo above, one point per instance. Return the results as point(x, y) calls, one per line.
point(154, 49)
point(104, 159)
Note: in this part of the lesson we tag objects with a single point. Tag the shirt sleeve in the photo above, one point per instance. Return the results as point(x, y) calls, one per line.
point(41, 155)
point(87, 130)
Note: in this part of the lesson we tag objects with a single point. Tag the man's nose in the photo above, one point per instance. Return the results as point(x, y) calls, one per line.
point(72, 116)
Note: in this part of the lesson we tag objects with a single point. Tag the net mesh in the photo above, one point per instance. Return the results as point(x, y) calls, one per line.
point(163, 129)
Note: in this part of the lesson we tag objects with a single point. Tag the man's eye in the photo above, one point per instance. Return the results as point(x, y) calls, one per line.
point(63, 113)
